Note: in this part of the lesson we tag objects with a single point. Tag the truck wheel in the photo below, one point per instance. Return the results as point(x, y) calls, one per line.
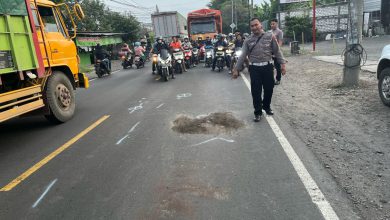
point(384, 86)
point(60, 98)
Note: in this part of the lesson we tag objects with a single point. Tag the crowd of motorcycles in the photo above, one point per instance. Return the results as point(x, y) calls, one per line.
point(168, 62)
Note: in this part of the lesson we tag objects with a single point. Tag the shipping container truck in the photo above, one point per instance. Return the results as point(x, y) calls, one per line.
point(204, 23)
point(39, 65)
point(168, 24)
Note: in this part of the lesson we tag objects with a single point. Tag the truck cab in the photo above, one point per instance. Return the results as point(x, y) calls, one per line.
point(42, 71)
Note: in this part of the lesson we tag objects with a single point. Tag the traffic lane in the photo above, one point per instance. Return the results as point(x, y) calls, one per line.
point(162, 178)
point(24, 141)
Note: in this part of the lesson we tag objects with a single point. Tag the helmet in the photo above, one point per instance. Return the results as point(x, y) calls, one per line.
point(230, 35)
point(137, 44)
point(185, 38)
point(219, 36)
point(159, 38)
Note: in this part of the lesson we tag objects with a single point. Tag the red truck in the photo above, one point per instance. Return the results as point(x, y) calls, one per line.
point(204, 23)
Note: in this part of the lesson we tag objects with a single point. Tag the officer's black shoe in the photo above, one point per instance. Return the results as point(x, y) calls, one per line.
point(269, 111)
point(257, 118)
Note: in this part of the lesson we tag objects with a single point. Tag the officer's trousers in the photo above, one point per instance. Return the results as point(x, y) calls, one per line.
point(262, 77)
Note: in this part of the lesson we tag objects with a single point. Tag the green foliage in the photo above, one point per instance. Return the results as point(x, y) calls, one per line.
point(266, 10)
point(241, 11)
point(99, 18)
point(298, 25)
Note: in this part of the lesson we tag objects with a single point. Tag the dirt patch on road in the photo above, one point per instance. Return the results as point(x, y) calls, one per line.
point(220, 122)
point(348, 129)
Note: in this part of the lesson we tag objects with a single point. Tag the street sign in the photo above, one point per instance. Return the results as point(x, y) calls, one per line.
point(233, 25)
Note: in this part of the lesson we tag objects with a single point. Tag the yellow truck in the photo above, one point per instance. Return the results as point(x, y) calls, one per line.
point(39, 65)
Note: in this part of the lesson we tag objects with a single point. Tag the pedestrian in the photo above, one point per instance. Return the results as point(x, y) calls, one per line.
point(260, 47)
point(279, 37)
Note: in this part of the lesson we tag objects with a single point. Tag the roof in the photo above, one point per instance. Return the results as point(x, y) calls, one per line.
point(164, 13)
point(204, 12)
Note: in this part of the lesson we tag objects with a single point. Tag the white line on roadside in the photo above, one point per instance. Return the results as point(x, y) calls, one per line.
point(160, 106)
point(44, 193)
point(213, 139)
point(92, 79)
point(311, 186)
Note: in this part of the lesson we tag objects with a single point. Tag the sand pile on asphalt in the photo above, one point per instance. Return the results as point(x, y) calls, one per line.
point(219, 122)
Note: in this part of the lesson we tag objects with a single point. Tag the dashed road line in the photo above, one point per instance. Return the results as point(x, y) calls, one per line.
point(44, 193)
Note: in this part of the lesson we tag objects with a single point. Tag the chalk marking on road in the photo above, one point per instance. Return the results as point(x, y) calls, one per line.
point(52, 155)
point(135, 108)
point(311, 186)
point(213, 139)
point(128, 133)
point(44, 193)
point(132, 128)
point(160, 106)
point(92, 79)
point(184, 95)
point(120, 140)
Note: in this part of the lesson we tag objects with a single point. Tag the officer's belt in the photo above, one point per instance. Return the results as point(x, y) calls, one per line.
point(262, 63)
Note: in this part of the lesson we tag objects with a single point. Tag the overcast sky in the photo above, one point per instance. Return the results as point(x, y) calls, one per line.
point(145, 7)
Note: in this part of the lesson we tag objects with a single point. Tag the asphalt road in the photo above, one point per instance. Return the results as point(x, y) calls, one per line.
point(134, 166)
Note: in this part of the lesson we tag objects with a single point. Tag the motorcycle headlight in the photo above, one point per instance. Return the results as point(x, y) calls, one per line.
point(209, 53)
point(238, 53)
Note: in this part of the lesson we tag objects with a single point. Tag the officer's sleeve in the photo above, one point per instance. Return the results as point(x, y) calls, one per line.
point(244, 54)
point(276, 50)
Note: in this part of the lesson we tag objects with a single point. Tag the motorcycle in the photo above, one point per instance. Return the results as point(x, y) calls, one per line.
point(237, 53)
point(102, 67)
point(220, 56)
point(202, 53)
point(195, 54)
point(139, 61)
point(229, 55)
point(165, 64)
point(154, 62)
point(178, 58)
point(188, 57)
point(127, 60)
point(209, 55)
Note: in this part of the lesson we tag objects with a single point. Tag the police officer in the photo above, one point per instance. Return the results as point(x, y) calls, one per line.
point(260, 47)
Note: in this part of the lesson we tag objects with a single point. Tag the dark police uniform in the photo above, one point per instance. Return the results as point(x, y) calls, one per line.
point(261, 67)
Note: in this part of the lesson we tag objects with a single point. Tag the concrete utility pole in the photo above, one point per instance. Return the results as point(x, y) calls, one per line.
point(233, 15)
point(314, 25)
point(352, 56)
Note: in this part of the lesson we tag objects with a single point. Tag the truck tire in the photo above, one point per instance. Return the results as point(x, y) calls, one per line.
point(60, 98)
point(384, 86)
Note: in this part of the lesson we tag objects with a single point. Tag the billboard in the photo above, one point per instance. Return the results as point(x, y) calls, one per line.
point(292, 1)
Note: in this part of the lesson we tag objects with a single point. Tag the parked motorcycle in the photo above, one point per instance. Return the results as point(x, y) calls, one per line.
point(102, 67)
point(220, 56)
point(165, 65)
point(188, 57)
point(139, 61)
point(209, 55)
point(178, 58)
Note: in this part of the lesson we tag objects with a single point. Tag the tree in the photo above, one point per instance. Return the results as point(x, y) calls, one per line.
point(298, 25)
point(242, 12)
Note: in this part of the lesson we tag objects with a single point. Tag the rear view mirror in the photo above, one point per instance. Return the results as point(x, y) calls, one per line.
point(78, 11)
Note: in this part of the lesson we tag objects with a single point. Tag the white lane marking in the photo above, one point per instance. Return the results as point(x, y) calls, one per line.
point(92, 79)
point(120, 140)
point(44, 193)
point(160, 106)
point(128, 133)
point(132, 129)
point(213, 139)
point(311, 186)
point(184, 95)
point(135, 108)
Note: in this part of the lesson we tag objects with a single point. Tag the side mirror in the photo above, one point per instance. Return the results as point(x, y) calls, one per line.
point(78, 11)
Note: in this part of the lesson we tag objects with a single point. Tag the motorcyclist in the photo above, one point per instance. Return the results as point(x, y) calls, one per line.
point(101, 54)
point(221, 42)
point(126, 51)
point(139, 50)
point(176, 44)
point(208, 41)
point(230, 38)
point(239, 41)
point(156, 49)
point(188, 44)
